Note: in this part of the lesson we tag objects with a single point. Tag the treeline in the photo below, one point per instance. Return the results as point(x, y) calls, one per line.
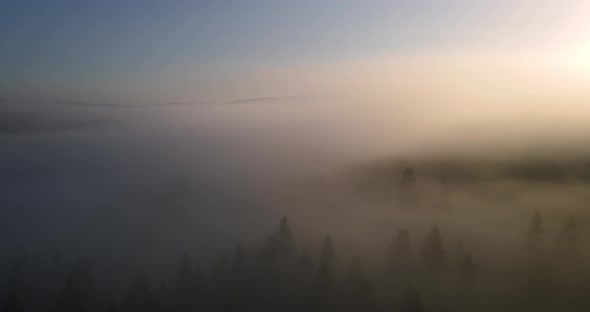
point(430, 274)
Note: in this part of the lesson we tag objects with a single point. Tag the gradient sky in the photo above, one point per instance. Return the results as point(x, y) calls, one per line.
point(152, 51)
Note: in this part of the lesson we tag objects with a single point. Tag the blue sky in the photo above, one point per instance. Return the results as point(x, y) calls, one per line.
point(176, 50)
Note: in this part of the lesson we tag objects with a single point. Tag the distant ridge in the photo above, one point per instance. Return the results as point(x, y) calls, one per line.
point(269, 99)
point(96, 104)
point(115, 105)
point(266, 99)
point(183, 103)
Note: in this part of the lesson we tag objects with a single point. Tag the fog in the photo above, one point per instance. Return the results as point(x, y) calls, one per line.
point(138, 186)
point(72, 162)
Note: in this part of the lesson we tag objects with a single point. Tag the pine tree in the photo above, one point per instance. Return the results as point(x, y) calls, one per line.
point(282, 242)
point(79, 292)
point(113, 307)
point(444, 193)
point(303, 272)
point(414, 303)
point(57, 264)
point(324, 284)
point(140, 298)
point(219, 270)
point(238, 265)
point(400, 251)
point(539, 280)
point(359, 292)
point(279, 252)
point(184, 273)
point(407, 188)
point(566, 244)
point(467, 265)
point(304, 265)
point(219, 284)
point(184, 288)
point(408, 179)
point(433, 253)
point(238, 290)
point(13, 303)
point(328, 255)
point(536, 234)
point(275, 264)
point(164, 297)
point(458, 255)
point(18, 280)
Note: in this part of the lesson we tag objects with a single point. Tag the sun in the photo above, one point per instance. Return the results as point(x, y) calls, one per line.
point(580, 57)
point(574, 40)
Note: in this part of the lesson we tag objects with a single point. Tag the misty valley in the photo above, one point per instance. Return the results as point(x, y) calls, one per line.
point(137, 213)
point(294, 156)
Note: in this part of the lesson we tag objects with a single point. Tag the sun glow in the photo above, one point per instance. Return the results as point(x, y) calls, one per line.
point(581, 57)
point(576, 35)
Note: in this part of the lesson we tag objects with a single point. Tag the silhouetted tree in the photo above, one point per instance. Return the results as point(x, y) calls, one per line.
point(407, 187)
point(328, 255)
point(18, 280)
point(467, 265)
point(444, 193)
point(539, 282)
point(184, 273)
point(238, 265)
point(275, 267)
point(165, 297)
point(13, 303)
point(458, 256)
point(57, 263)
point(278, 277)
point(358, 294)
point(568, 262)
point(238, 288)
point(566, 244)
point(278, 253)
point(184, 285)
point(536, 235)
point(140, 298)
point(304, 266)
point(399, 265)
point(113, 307)
point(433, 253)
point(79, 292)
point(408, 179)
point(400, 251)
point(304, 274)
point(281, 245)
point(414, 303)
point(218, 283)
point(324, 285)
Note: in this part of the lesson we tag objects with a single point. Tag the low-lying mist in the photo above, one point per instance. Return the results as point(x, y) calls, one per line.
point(138, 186)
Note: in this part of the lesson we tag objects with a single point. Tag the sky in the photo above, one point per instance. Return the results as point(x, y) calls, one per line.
point(156, 51)
point(490, 76)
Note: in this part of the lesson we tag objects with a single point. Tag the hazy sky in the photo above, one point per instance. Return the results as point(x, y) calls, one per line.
point(139, 51)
